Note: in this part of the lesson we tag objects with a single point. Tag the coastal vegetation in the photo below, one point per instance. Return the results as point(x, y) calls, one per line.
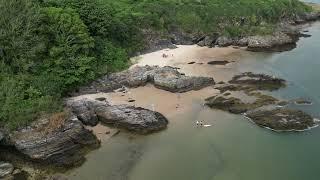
point(49, 47)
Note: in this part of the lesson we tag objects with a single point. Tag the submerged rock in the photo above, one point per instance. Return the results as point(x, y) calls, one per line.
point(138, 120)
point(167, 78)
point(5, 169)
point(282, 119)
point(59, 142)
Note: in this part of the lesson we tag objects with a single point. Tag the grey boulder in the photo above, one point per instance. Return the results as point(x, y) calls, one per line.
point(61, 145)
point(135, 119)
point(5, 169)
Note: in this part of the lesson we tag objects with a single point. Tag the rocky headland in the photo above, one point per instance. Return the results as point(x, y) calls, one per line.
point(284, 37)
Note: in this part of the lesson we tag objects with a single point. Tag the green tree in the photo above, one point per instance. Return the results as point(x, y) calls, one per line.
point(69, 47)
point(21, 44)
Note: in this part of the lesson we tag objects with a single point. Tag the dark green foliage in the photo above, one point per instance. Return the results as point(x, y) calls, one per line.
point(20, 41)
point(45, 51)
point(68, 55)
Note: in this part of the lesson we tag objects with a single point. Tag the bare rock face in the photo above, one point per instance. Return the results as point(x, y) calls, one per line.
point(277, 42)
point(85, 111)
point(1, 136)
point(258, 81)
point(167, 78)
point(134, 119)
point(208, 41)
point(224, 41)
point(170, 79)
point(61, 145)
point(282, 119)
point(131, 118)
point(5, 169)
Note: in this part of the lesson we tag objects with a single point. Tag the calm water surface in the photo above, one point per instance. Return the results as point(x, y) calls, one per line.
point(234, 148)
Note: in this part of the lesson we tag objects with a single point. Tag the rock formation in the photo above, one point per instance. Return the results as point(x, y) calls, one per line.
point(167, 78)
point(135, 119)
point(53, 142)
point(282, 119)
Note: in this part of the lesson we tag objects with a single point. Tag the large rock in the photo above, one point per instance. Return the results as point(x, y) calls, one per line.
point(224, 41)
point(131, 118)
point(134, 119)
point(59, 142)
point(167, 78)
point(85, 111)
point(276, 42)
point(208, 41)
point(231, 104)
point(258, 81)
point(5, 169)
point(282, 119)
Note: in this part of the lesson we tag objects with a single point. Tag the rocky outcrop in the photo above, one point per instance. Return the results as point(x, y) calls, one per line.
point(5, 169)
point(224, 41)
point(282, 119)
point(231, 104)
point(134, 119)
point(307, 17)
point(276, 42)
point(208, 41)
point(59, 142)
point(258, 81)
point(167, 78)
point(236, 105)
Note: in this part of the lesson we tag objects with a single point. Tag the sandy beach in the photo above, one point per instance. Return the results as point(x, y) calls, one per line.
point(198, 57)
point(167, 103)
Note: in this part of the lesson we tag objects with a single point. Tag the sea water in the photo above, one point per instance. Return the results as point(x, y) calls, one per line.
point(233, 148)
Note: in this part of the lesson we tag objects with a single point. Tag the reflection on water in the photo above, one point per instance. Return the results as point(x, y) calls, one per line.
point(233, 148)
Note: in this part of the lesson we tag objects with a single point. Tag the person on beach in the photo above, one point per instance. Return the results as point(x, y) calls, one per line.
point(201, 123)
point(197, 123)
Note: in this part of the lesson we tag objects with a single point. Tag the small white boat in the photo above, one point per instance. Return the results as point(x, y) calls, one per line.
point(207, 125)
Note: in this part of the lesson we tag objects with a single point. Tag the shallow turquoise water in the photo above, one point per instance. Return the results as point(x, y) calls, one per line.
point(234, 148)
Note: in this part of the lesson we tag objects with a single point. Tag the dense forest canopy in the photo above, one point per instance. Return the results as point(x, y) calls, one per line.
point(48, 47)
